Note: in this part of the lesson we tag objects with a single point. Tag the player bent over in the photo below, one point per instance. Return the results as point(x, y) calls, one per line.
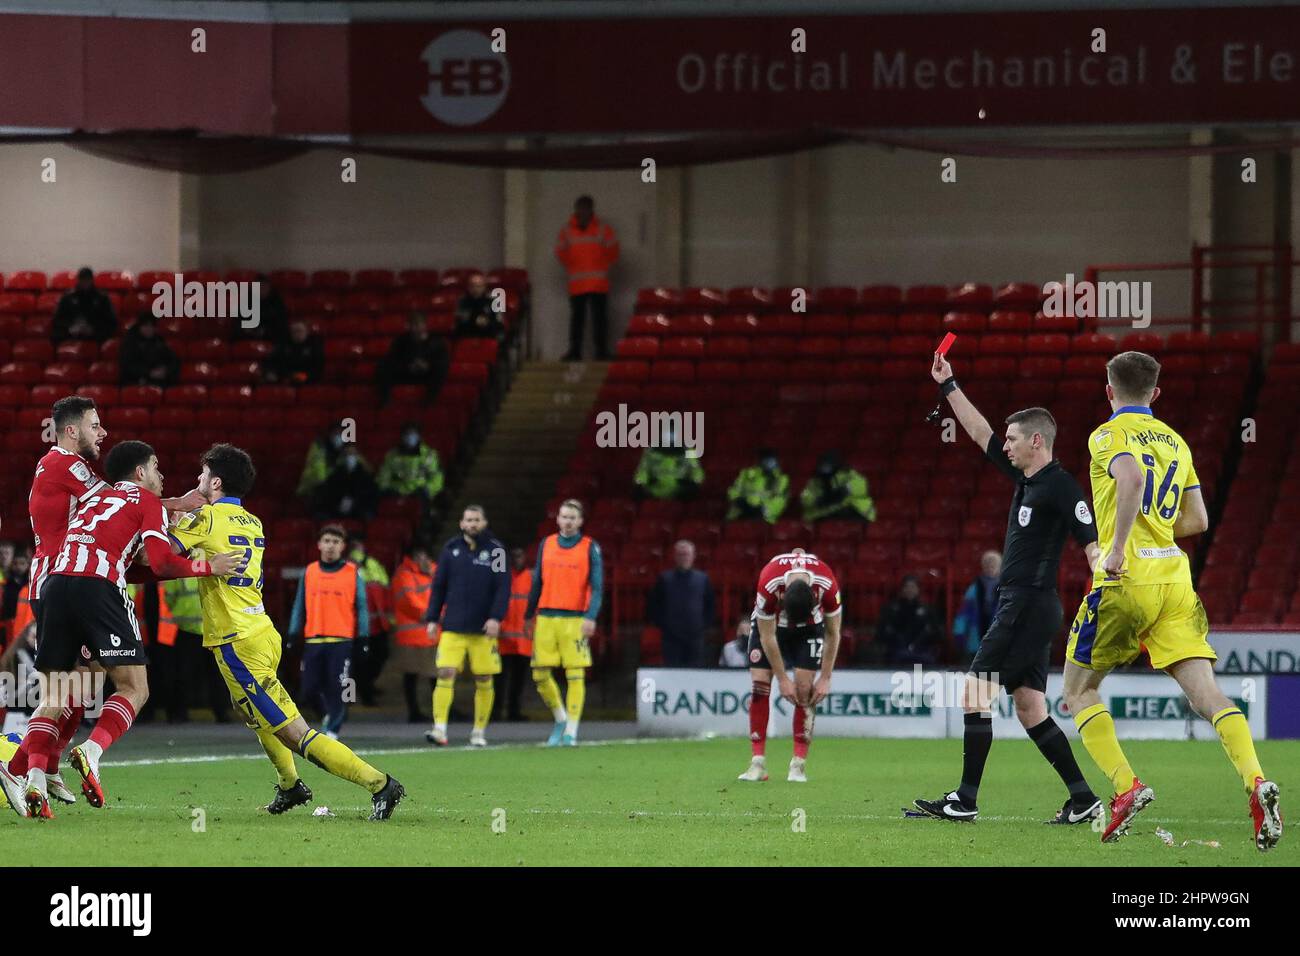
point(796, 623)
point(86, 613)
point(1147, 494)
point(247, 646)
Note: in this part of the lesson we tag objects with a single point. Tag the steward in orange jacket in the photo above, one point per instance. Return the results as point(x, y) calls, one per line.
point(587, 247)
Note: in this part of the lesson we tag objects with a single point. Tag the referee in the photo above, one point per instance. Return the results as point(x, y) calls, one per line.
point(1047, 505)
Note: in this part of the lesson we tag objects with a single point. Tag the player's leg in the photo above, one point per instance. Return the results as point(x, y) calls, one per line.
point(1196, 677)
point(575, 656)
point(546, 655)
point(485, 664)
point(452, 650)
point(801, 723)
point(340, 686)
point(335, 757)
point(760, 706)
point(131, 691)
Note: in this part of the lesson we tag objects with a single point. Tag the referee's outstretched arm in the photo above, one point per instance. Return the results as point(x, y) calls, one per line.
point(976, 425)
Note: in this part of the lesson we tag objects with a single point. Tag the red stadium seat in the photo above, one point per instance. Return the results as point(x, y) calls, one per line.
point(628, 371)
point(375, 279)
point(475, 350)
point(33, 350)
point(925, 298)
point(965, 322)
point(649, 324)
point(1093, 343)
point(1010, 322)
point(836, 297)
point(920, 323)
point(711, 370)
point(745, 299)
point(1047, 367)
point(26, 280)
point(1189, 342)
point(637, 346)
point(1001, 344)
point(1018, 295)
point(973, 296)
point(734, 324)
point(682, 347)
point(702, 299)
point(880, 298)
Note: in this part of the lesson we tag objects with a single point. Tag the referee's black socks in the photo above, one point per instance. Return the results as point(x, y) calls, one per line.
point(1055, 747)
point(976, 741)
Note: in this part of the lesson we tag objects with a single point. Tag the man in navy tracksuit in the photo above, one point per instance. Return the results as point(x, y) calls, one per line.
point(470, 596)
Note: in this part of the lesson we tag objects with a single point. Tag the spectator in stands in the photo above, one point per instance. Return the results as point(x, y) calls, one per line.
point(321, 457)
point(412, 469)
point(84, 312)
point(587, 247)
point(735, 653)
point(145, 359)
point(272, 316)
point(666, 473)
point(977, 607)
point(908, 631)
point(22, 680)
point(299, 359)
point(759, 491)
point(836, 491)
point(475, 317)
point(15, 581)
point(681, 606)
point(349, 491)
point(515, 645)
point(415, 358)
point(6, 558)
point(415, 648)
point(369, 658)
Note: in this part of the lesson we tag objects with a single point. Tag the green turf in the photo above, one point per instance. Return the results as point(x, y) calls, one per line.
point(661, 803)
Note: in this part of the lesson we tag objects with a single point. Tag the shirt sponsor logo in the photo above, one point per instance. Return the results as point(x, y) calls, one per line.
point(1172, 551)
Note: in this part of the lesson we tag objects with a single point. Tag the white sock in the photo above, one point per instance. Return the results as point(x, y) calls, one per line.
point(93, 751)
point(571, 727)
point(559, 714)
point(440, 728)
point(36, 778)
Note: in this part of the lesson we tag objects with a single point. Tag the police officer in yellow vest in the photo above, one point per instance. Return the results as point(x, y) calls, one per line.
point(759, 491)
point(180, 628)
point(836, 491)
point(330, 613)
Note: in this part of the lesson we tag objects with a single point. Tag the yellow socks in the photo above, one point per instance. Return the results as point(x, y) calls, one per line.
point(576, 678)
point(549, 691)
point(1097, 729)
point(338, 759)
point(442, 694)
point(484, 694)
point(281, 758)
point(1234, 733)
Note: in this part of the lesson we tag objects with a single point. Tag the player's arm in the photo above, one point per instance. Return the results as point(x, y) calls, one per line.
point(1192, 517)
point(1128, 498)
point(167, 564)
point(976, 425)
point(500, 597)
point(596, 581)
point(437, 593)
point(833, 611)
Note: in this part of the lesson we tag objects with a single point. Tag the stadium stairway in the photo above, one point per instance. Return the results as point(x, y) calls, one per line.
point(533, 436)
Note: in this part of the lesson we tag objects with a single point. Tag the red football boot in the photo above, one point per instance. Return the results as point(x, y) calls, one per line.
point(1124, 807)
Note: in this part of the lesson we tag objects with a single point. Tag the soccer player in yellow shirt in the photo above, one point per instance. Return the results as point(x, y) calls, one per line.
point(1145, 495)
point(247, 646)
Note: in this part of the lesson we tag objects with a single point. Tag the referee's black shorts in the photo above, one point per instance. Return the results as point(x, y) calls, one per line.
point(84, 619)
point(1017, 647)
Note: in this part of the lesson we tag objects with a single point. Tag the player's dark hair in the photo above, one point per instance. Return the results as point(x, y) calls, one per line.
point(585, 201)
point(797, 602)
point(68, 410)
point(334, 529)
point(1038, 420)
point(1133, 375)
point(233, 466)
point(124, 458)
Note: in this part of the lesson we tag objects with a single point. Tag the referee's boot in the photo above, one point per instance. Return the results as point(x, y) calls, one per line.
point(1075, 812)
point(286, 800)
point(948, 807)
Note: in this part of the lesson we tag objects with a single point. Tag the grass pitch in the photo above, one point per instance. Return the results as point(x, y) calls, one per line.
point(659, 803)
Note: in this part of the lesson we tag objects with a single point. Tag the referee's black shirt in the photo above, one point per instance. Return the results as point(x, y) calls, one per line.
point(1044, 509)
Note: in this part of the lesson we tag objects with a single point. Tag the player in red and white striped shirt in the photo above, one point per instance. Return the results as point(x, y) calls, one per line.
point(796, 626)
point(88, 614)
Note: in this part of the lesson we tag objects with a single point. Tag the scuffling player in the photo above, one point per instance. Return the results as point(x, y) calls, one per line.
point(1146, 494)
point(86, 612)
point(247, 646)
point(796, 625)
point(1048, 505)
point(564, 602)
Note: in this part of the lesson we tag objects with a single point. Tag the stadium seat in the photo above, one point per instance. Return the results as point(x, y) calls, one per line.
point(822, 324)
point(920, 323)
point(1011, 321)
point(648, 324)
point(1000, 344)
point(682, 347)
point(26, 280)
point(880, 298)
point(965, 322)
point(735, 324)
point(1188, 342)
point(1020, 296)
point(971, 296)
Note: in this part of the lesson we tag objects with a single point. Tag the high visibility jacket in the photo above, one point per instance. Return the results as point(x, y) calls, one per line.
point(566, 575)
point(664, 475)
point(331, 604)
point(513, 640)
point(179, 609)
point(403, 474)
point(23, 612)
point(410, 599)
point(755, 493)
point(587, 255)
point(845, 494)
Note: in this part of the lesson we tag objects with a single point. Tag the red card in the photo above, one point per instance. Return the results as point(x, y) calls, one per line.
point(946, 344)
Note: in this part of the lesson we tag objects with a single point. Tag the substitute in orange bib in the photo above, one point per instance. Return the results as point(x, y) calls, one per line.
point(565, 600)
point(330, 613)
point(587, 247)
point(516, 646)
point(414, 651)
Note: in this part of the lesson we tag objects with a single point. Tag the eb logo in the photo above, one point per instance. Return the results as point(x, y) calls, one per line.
point(468, 80)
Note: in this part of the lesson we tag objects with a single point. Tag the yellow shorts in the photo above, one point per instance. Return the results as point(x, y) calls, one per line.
point(558, 641)
point(9, 746)
point(248, 666)
point(1115, 622)
point(455, 646)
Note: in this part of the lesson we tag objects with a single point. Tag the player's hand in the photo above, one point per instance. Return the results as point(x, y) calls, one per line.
point(588, 627)
point(227, 563)
point(940, 371)
point(786, 686)
point(1113, 564)
point(431, 629)
point(192, 500)
point(821, 687)
point(492, 627)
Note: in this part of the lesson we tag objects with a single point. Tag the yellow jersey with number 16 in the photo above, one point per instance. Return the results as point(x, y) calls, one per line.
point(1165, 461)
point(232, 606)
